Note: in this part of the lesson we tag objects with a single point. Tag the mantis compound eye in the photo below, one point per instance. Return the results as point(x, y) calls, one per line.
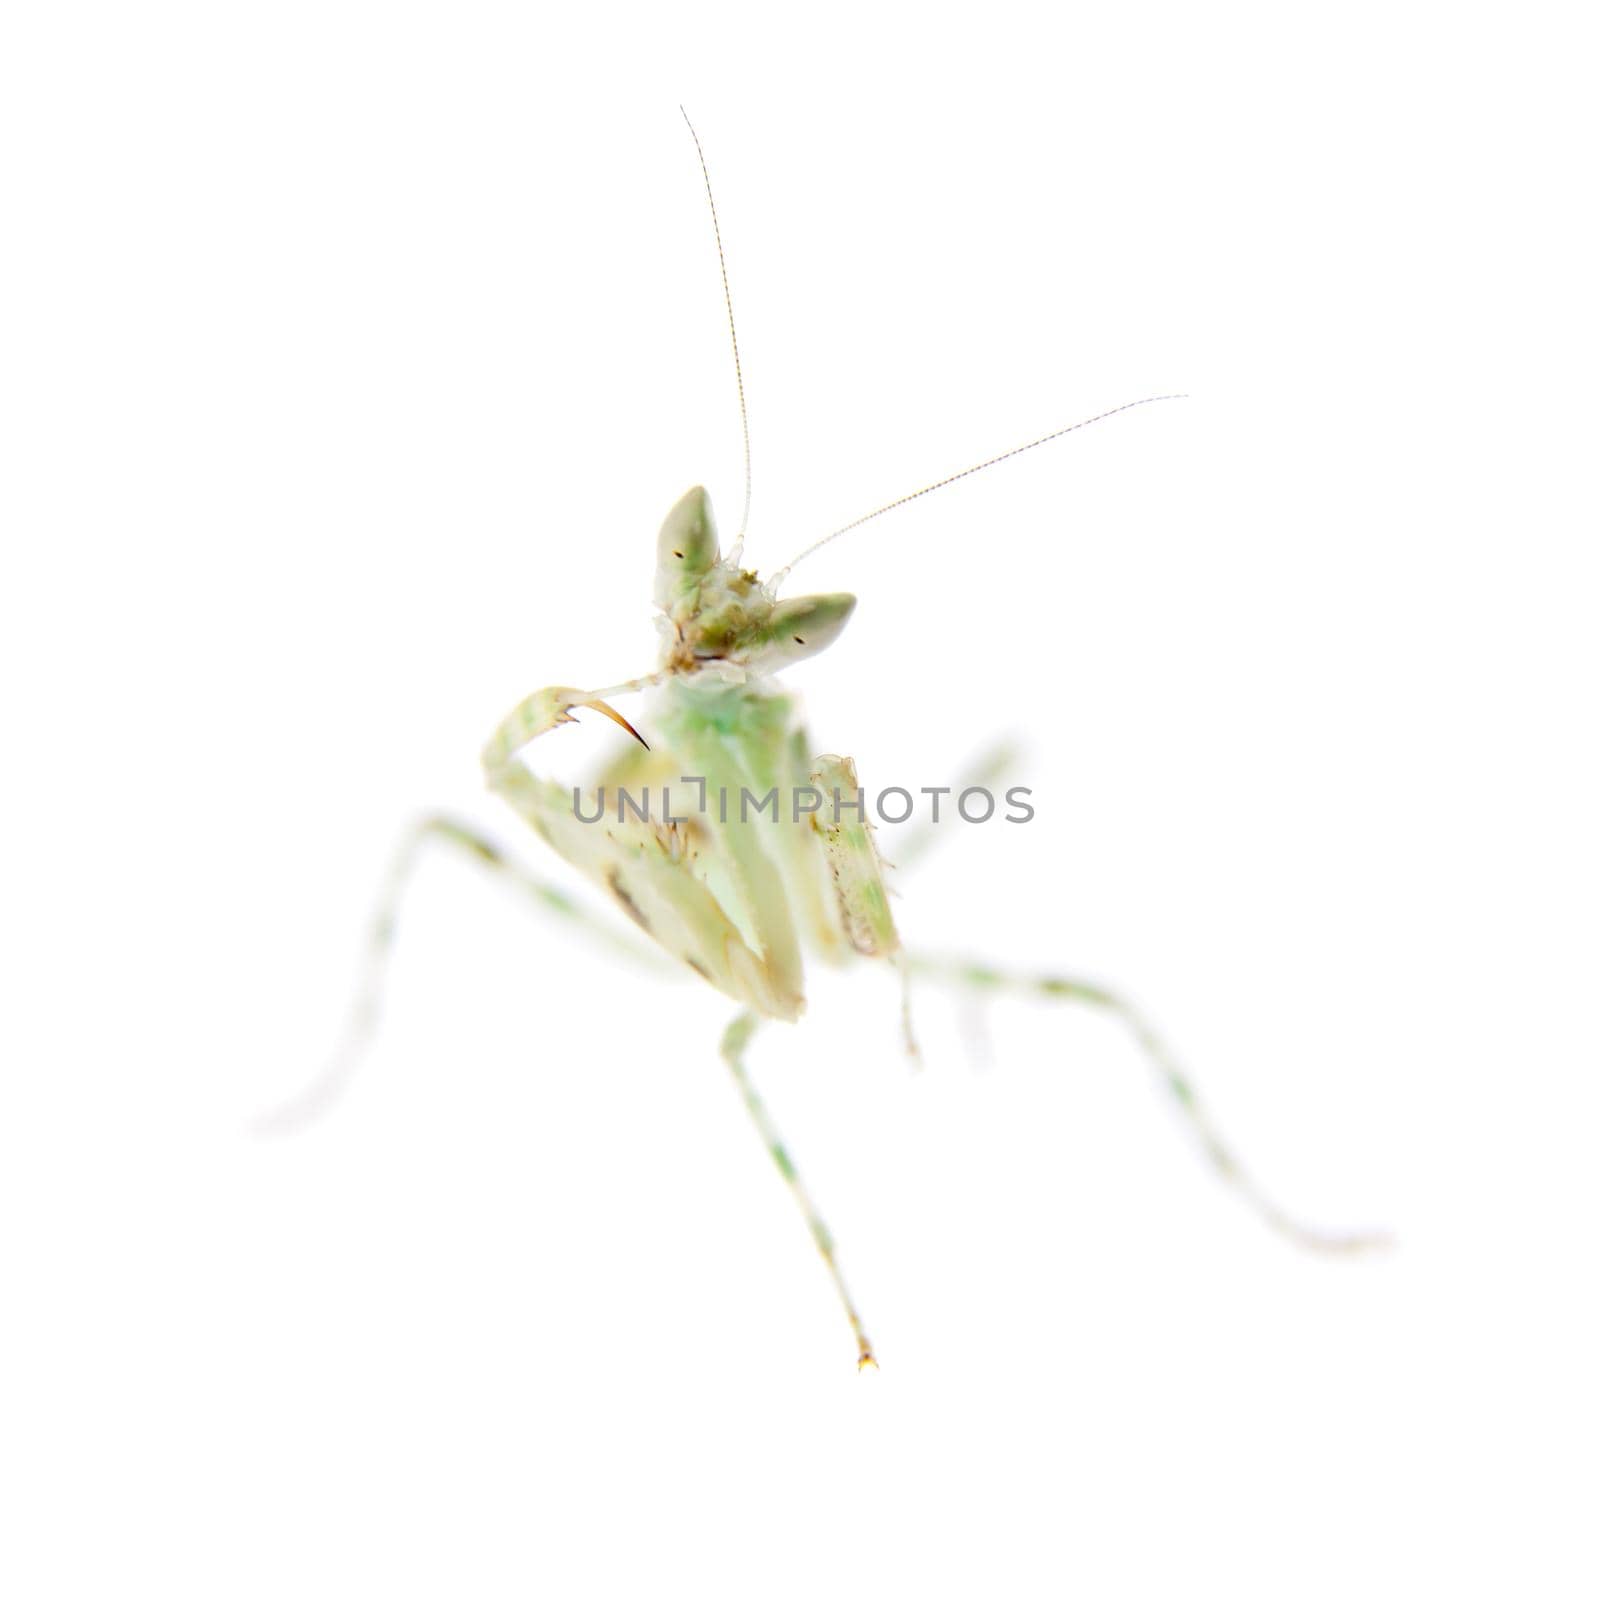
point(796, 629)
point(686, 549)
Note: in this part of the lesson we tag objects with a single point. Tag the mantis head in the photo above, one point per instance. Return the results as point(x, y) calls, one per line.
point(716, 611)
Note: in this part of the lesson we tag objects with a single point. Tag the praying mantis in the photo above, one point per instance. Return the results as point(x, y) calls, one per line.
point(676, 829)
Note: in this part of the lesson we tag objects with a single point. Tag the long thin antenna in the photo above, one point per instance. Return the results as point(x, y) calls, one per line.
point(967, 472)
point(733, 334)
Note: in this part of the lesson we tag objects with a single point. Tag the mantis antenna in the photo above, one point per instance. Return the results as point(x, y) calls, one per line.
point(967, 472)
point(733, 334)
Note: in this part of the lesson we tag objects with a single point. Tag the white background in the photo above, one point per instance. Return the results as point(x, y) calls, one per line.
point(351, 356)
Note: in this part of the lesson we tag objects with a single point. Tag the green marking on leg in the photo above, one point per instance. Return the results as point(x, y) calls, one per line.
point(1179, 1085)
point(558, 900)
point(366, 1009)
point(735, 1040)
point(485, 849)
point(1072, 989)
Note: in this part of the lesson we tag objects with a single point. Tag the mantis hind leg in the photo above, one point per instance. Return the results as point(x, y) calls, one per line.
point(1179, 1085)
point(987, 770)
point(735, 1042)
point(366, 1010)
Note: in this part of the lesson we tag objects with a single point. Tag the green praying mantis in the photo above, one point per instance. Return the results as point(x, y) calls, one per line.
point(760, 851)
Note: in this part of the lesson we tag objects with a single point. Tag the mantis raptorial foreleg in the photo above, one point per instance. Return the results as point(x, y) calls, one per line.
point(735, 1042)
point(537, 714)
point(861, 893)
point(991, 980)
point(364, 1013)
point(658, 869)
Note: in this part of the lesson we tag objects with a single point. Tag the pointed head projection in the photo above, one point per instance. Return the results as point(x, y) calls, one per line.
point(716, 611)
